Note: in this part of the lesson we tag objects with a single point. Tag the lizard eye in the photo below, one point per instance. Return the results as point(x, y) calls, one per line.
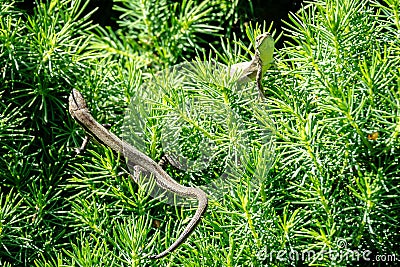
point(261, 37)
point(259, 40)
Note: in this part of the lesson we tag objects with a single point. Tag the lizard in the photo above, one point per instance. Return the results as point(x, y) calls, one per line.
point(254, 69)
point(79, 111)
point(259, 64)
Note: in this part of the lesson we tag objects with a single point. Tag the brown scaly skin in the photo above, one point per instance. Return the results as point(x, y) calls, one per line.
point(140, 161)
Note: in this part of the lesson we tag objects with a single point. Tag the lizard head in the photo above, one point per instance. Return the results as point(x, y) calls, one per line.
point(265, 47)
